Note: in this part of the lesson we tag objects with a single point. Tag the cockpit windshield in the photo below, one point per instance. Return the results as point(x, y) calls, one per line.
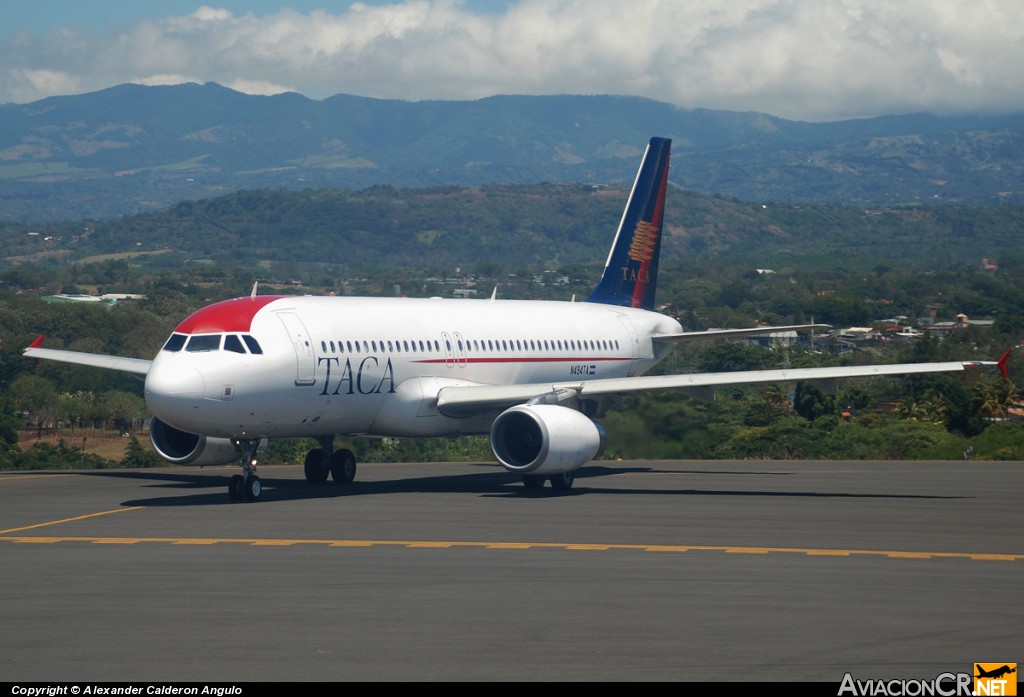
point(175, 342)
point(197, 343)
point(203, 342)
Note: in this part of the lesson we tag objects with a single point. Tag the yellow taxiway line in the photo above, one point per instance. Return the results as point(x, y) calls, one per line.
point(440, 544)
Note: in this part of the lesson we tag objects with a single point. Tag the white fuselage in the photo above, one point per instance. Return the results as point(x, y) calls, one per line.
point(331, 365)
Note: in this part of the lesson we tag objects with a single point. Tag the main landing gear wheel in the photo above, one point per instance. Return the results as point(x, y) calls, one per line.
point(563, 481)
point(533, 482)
point(316, 466)
point(236, 488)
point(343, 466)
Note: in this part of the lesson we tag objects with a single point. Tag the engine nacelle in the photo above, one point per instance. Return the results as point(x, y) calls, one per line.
point(545, 439)
point(184, 448)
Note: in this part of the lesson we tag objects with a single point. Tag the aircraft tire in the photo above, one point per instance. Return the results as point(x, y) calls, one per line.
point(533, 482)
point(563, 481)
point(236, 488)
point(343, 466)
point(253, 488)
point(316, 466)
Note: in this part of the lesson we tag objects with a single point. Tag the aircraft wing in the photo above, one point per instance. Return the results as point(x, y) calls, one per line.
point(473, 399)
point(731, 333)
point(135, 366)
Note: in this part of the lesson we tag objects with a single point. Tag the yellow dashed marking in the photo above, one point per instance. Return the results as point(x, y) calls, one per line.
point(188, 542)
point(113, 541)
point(37, 540)
point(273, 543)
point(439, 544)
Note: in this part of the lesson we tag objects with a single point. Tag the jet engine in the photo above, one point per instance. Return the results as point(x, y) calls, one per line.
point(183, 448)
point(545, 439)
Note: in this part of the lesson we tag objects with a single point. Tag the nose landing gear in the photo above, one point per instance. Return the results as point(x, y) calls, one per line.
point(247, 486)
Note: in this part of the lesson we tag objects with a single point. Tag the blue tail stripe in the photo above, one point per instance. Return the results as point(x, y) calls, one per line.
point(631, 273)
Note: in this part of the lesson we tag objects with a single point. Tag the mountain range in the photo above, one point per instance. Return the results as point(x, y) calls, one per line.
point(134, 148)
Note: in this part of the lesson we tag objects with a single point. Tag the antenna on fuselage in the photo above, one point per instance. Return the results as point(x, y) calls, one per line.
point(254, 285)
point(494, 293)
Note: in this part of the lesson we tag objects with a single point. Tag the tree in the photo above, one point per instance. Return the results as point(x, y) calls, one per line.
point(135, 456)
point(36, 397)
point(123, 408)
point(810, 402)
point(732, 356)
point(993, 399)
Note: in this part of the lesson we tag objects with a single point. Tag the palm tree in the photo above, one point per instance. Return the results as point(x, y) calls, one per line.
point(993, 399)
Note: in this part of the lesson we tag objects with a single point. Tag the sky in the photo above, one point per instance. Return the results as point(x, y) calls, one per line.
point(812, 60)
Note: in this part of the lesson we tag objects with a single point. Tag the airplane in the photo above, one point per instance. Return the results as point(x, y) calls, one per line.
point(534, 375)
point(996, 673)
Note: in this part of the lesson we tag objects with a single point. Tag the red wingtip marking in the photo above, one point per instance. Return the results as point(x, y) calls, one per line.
point(38, 342)
point(1002, 364)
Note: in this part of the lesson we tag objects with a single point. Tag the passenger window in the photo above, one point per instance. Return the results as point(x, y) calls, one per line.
point(175, 342)
point(254, 346)
point(203, 342)
point(233, 343)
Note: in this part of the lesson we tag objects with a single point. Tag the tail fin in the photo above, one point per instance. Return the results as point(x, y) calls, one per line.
point(631, 272)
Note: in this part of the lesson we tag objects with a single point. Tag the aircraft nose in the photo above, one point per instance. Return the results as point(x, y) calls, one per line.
point(170, 392)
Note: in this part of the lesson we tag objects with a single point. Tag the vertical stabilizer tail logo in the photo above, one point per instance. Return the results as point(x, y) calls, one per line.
point(995, 679)
point(645, 237)
point(642, 250)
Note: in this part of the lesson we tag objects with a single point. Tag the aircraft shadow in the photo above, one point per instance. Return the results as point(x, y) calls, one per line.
point(211, 489)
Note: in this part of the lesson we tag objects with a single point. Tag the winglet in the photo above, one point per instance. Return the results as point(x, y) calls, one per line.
point(38, 343)
point(1002, 364)
point(631, 272)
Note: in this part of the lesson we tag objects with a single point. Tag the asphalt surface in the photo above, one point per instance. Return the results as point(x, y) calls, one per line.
point(644, 571)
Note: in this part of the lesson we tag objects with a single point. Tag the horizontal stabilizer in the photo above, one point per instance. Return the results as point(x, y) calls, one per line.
point(732, 333)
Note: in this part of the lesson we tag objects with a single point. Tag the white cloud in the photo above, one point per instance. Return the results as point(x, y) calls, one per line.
point(812, 59)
